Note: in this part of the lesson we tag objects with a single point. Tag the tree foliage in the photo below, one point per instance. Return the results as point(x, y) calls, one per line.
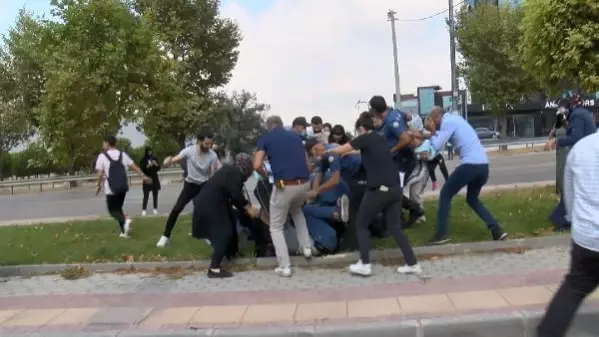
point(560, 43)
point(486, 38)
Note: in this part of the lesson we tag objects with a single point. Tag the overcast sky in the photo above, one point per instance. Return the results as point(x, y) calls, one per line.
point(319, 57)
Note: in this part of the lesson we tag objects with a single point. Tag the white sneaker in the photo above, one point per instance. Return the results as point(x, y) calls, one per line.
point(162, 242)
point(127, 226)
point(307, 253)
point(123, 236)
point(361, 269)
point(283, 271)
point(143, 213)
point(422, 219)
point(155, 212)
point(207, 241)
point(343, 204)
point(415, 269)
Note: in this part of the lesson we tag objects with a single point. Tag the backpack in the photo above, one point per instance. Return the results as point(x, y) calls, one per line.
point(117, 175)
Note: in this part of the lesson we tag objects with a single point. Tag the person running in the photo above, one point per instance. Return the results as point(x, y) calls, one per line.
point(384, 193)
point(149, 166)
point(201, 163)
point(112, 165)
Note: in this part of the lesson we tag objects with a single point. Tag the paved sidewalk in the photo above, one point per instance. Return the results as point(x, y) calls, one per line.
point(259, 301)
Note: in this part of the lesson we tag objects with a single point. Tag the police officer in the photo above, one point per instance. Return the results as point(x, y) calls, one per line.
point(394, 128)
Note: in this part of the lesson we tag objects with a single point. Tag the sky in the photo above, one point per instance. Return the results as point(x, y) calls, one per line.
point(320, 57)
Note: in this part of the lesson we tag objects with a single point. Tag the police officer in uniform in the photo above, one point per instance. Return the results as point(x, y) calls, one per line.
point(395, 130)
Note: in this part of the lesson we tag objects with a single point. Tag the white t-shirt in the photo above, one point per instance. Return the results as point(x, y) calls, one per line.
point(103, 164)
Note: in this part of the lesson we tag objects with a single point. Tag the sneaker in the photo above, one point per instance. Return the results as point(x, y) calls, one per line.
point(219, 273)
point(343, 204)
point(123, 236)
point(498, 235)
point(415, 214)
point(127, 226)
point(207, 241)
point(307, 253)
point(361, 269)
point(283, 271)
point(143, 213)
point(155, 212)
point(422, 219)
point(438, 240)
point(415, 269)
point(162, 242)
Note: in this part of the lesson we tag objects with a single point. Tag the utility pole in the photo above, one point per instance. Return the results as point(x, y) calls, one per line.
point(454, 81)
point(392, 19)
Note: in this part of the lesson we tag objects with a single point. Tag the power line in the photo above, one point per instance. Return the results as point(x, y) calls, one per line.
point(434, 15)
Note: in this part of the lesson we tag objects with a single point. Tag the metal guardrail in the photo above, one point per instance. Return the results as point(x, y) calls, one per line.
point(516, 142)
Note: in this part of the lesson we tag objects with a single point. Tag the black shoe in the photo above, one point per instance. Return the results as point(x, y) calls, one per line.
point(438, 240)
point(219, 274)
point(414, 216)
point(498, 234)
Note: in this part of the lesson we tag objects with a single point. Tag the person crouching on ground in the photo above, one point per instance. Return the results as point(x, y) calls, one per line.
point(221, 191)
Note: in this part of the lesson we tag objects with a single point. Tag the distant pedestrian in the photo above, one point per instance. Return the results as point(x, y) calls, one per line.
point(112, 165)
point(383, 194)
point(201, 165)
point(150, 166)
point(472, 172)
point(581, 199)
point(289, 164)
point(318, 130)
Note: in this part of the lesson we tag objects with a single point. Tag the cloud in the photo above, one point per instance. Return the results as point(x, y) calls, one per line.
point(320, 57)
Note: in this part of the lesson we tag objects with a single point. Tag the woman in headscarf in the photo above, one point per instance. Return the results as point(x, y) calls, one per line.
point(224, 190)
point(150, 165)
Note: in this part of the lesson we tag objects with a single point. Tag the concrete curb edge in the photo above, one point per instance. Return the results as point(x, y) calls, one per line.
point(514, 245)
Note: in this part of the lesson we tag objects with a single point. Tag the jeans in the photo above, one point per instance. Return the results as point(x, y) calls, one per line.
point(558, 216)
point(114, 203)
point(474, 176)
point(581, 280)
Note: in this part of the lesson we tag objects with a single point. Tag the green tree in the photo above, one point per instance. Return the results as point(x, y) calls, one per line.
point(163, 146)
point(202, 48)
point(560, 43)
point(240, 121)
point(486, 38)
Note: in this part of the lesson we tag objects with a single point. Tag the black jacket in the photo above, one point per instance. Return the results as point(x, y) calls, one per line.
point(152, 171)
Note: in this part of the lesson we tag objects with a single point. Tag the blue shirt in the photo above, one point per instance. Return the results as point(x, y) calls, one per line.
point(394, 124)
point(286, 154)
point(462, 136)
point(349, 165)
point(426, 147)
point(580, 124)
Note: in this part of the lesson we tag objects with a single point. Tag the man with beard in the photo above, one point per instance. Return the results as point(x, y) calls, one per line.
point(201, 165)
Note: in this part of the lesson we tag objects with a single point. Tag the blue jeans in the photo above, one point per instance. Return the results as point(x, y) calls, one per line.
point(558, 215)
point(318, 219)
point(474, 176)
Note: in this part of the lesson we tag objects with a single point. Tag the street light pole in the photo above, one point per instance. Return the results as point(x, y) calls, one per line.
point(454, 81)
point(392, 19)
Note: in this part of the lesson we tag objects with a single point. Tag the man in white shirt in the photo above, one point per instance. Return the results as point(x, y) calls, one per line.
point(581, 198)
point(116, 187)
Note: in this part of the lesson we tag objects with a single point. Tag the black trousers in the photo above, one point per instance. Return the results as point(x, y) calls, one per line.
point(432, 166)
point(146, 190)
point(223, 235)
point(115, 208)
point(189, 191)
point(581, 280)
point(388, 202)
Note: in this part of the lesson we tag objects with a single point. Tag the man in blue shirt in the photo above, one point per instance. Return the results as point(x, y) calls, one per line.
point(473, 170)
point(395, 130)
point(289, 164)
point(580, 124)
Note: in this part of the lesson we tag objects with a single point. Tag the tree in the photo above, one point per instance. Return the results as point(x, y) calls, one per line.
point(240, 120)
point(560, 43)
point(486, 38)
point(203, 49)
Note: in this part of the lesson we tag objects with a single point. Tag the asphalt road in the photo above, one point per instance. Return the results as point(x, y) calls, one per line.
point(511, 169)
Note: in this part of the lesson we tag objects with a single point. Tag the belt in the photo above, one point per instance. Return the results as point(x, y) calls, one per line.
point(294, 182)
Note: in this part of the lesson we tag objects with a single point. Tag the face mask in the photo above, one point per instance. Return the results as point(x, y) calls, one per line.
point(257, 176)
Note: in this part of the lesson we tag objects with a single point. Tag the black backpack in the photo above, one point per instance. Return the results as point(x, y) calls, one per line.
point(117, 175)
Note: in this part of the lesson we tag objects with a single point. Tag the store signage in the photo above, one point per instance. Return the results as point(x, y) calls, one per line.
point(587, 103)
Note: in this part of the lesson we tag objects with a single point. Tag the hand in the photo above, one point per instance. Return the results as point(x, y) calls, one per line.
point(146, 179)
point(430, 125)
point(252, 212)
point(98, 188)
point(424, 156)
point(551, 144)
point(167, 161)
point(312, 195)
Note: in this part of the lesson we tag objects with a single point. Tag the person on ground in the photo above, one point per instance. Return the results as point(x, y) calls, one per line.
point(112, 165)
point(290, 169)
point(580, 124)
point(217, 196)
point(394, 128)
point(338, 135)
point(472, 172)
point(383, 195)
point(150, 166)
point(581, 198)
point(318, 129)
point(201, 165)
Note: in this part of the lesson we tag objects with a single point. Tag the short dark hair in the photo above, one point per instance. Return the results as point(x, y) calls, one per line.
point(300, 121)
point(327, 125)
point(378, 104)
point(366, 114)
point(111, 140)
point(316, 120)
point(365, 122)
point(205, 134)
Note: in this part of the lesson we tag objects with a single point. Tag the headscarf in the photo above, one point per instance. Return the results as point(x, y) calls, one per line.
point(148, 153)
point(243, 162)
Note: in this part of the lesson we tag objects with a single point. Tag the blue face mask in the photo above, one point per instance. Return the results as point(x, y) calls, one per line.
point(257, 176)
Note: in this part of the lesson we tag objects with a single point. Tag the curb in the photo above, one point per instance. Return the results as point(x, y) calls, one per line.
point(515, 245)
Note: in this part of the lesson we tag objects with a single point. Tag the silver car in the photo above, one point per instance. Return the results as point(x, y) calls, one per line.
point(485, 133)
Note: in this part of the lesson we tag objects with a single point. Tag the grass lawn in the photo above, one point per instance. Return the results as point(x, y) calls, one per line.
point(522, 213)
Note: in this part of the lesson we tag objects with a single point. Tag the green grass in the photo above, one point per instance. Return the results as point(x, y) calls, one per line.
point(522, 213)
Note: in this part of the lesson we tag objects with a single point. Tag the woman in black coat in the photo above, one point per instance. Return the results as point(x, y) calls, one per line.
point(150, 165)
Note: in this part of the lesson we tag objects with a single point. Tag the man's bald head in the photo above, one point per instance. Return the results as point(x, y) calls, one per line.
point(436, 114)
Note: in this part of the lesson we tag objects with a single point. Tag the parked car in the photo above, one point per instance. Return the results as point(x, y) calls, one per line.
point(484, 133)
